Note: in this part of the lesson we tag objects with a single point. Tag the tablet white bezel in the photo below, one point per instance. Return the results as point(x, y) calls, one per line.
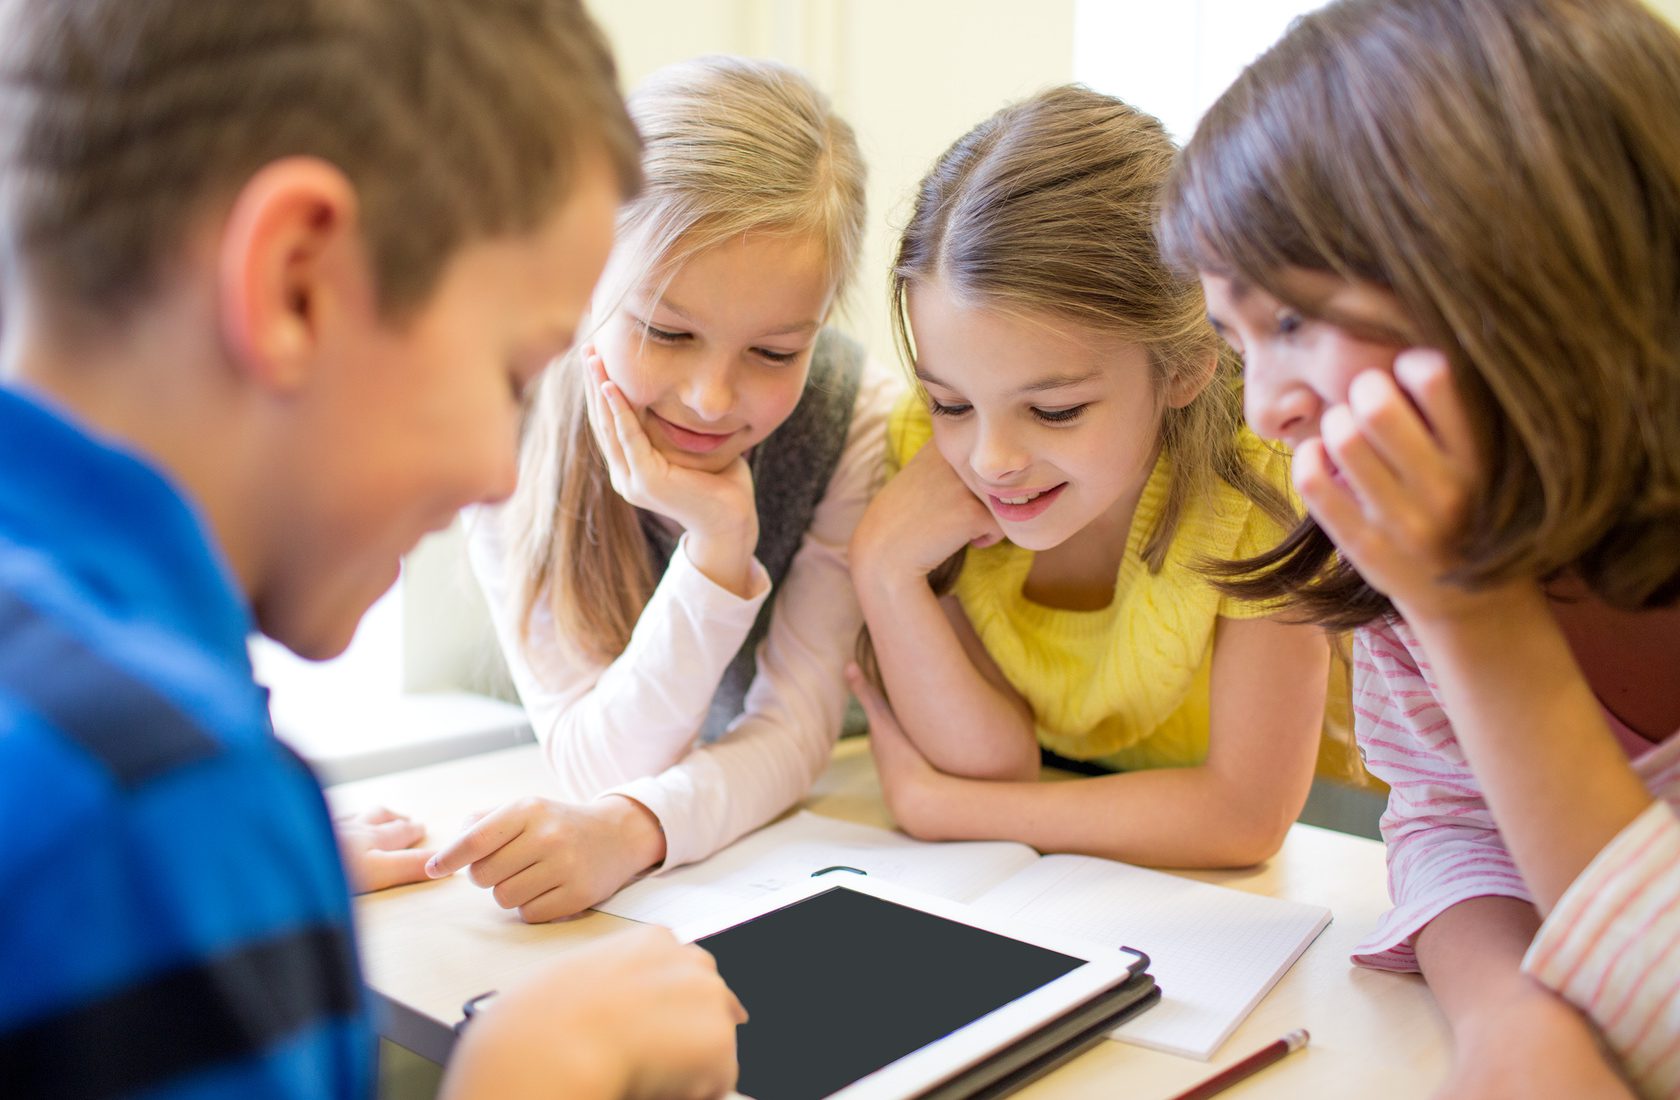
point(1105, 966)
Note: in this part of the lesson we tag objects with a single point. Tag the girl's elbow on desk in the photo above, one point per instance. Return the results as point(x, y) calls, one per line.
point(1225, 830)
point(1248, 835)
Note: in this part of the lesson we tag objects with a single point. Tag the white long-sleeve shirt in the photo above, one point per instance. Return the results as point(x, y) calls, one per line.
point(631, 726)
point(1611, 946)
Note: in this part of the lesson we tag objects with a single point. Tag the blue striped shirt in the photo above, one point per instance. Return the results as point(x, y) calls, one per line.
point(174, 919)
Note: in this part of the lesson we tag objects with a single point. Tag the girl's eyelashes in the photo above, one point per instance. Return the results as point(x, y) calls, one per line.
point(1061, 416)
point(1048, 416)
point(1288, 322)
point(674, 336)
point(659, 335)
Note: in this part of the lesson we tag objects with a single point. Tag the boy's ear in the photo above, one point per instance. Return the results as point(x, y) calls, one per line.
point(1189, 385)
point(284, 250)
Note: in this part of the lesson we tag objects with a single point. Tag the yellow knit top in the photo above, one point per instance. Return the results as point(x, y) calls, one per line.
point(1126, 685)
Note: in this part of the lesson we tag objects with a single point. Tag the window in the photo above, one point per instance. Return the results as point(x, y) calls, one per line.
point(305, 692)
point(1173, 59)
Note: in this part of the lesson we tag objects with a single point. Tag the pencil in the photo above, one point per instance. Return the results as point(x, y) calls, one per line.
point(1248, 1067)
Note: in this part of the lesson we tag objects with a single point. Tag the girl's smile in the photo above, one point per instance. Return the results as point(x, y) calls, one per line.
point(1020, 506)
point(687, 439)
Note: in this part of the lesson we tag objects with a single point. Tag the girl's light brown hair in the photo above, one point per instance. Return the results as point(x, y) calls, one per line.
point(1510, 171)
point(123, 122)
point(1047, 208)
point(733, 146)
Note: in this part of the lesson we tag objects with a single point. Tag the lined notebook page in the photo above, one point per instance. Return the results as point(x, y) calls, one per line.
point(1213, 950)
point(788, 851)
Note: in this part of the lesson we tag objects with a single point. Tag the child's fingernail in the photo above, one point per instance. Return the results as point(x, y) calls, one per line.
point(433, 870)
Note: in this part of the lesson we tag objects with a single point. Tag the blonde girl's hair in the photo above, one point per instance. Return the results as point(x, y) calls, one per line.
point(1048, 208)
point(732, 146)
point(1510, 171)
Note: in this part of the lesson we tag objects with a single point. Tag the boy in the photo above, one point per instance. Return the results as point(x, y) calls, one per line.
point(274, 275)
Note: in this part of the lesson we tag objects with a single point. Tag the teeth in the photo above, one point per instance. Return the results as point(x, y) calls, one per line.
point(1020, 500)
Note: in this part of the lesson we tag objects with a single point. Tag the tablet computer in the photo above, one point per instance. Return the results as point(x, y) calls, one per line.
point(863, 990)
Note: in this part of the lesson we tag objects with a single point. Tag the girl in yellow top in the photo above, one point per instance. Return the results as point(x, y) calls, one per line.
point(1088, 467)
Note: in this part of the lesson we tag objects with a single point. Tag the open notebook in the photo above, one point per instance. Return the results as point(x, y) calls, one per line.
point(1214, 951)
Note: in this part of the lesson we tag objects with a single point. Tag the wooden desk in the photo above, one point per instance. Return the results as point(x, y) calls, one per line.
point(427, 948)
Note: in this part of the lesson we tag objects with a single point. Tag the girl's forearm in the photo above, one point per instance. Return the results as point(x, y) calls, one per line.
point(1163, 817)
point(1534, 734)
point(1471, 955)
point(963, 725)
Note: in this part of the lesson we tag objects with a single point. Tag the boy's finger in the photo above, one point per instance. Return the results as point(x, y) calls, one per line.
point(488, 836)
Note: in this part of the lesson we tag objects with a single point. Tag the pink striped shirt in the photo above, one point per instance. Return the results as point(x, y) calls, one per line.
point(1612, 944)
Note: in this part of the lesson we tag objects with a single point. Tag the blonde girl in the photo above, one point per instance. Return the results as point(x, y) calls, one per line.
point(1445, 235)
point(670, 581)
point(1086, 446)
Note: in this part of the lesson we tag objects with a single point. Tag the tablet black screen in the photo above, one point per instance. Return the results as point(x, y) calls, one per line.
point(842, 983)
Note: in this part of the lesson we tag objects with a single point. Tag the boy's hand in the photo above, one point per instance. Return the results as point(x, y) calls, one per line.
point(718, 510)
point(378, 849)
point(1534, 1046)
point(911, 787)
point(1390, 480)
point(921, 516)
point(636, 1015)
point(552, 859)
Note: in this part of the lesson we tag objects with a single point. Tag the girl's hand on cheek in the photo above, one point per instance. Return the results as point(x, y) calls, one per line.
point(1391, 478)
point(718, 507)
point(920, 517)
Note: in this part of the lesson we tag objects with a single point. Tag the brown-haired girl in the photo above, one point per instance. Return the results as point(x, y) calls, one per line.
point(1445, 235)
point(669, 581)
point(1087, 449)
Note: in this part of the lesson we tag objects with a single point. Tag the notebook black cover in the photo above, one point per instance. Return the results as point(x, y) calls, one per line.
point(1057, 1042)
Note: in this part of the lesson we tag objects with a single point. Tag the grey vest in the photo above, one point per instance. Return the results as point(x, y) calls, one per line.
point(791, 469)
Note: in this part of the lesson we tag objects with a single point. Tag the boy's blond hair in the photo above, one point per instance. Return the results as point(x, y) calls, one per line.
point(124, 122)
